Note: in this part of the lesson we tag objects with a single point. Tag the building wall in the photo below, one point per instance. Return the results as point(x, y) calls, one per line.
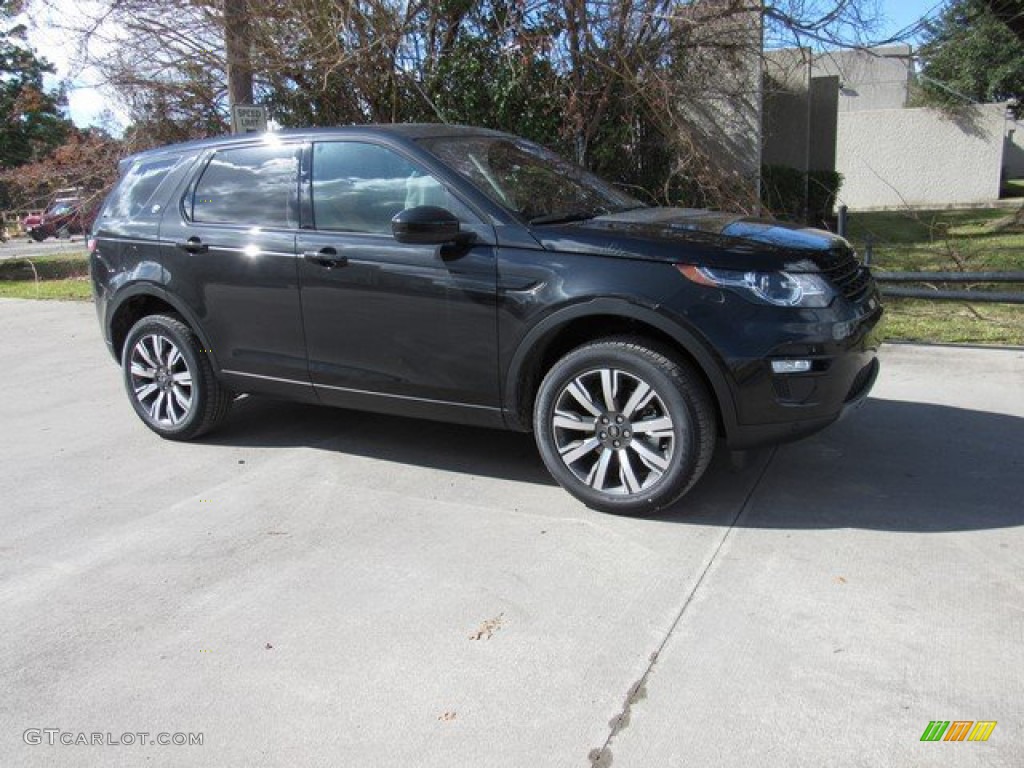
point(878, 78)
point(801, 103)
point(824, 123)
point(785, 129)
point(788, 68)
point(919, 157)
point(799, 129)
point(1013, 153)
point(724, 110)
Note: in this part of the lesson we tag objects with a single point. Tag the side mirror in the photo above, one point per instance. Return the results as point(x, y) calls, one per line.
point(426, 225)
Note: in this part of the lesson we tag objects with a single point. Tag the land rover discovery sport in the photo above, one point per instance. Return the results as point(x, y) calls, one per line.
point(471, 276)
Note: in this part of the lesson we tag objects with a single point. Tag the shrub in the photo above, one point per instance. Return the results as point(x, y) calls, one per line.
point(797, 196)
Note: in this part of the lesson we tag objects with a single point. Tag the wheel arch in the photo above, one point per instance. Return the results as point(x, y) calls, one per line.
point(139, 301)
point(570, 327)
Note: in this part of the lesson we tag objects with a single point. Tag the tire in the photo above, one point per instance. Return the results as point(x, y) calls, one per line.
point(644, 449)
point(36, 235)
point(170, 381)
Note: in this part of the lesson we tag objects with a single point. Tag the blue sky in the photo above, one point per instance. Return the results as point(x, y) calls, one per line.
point(901, 14)
point(86, 103)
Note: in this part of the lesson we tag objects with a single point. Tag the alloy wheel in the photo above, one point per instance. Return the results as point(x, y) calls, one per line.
point(161, 380)
point(613, 431)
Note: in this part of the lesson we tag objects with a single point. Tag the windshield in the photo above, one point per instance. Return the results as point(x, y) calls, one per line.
point(528, 180)
point(60, 207)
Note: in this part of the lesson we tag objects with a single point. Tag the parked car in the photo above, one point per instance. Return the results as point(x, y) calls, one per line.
point(470, 276)
point(31, 221)
point(68, 214)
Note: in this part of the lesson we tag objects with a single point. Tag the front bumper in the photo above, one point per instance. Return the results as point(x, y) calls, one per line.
point(751, 435)
point(840, 345)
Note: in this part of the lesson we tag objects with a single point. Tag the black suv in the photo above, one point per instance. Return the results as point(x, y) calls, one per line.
point(467, 275)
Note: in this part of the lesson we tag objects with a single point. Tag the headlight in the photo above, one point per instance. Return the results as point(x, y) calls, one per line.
point(781, 289)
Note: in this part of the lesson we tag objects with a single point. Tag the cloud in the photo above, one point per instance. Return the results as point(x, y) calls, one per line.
point(50, 34)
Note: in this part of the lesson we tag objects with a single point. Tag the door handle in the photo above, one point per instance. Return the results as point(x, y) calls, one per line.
point(326, 257)
point(192, 245)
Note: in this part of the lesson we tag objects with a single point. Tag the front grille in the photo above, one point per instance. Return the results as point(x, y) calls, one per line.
point(840, 266)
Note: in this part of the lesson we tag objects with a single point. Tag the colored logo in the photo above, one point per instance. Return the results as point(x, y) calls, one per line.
point(958, 730)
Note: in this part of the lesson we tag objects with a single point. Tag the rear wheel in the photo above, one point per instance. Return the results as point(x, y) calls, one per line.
point(170, 381)
point(624, 426)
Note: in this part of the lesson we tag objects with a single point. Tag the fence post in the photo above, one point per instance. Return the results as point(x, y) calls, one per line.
point(867, 250)
point(841, 224)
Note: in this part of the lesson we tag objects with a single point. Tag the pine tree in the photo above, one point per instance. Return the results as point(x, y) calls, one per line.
point(31, 122)
point(969, 54)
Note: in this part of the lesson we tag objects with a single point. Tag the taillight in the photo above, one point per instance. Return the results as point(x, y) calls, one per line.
point(91, 244)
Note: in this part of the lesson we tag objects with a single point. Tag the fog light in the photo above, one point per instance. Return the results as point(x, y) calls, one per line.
point(791, 366)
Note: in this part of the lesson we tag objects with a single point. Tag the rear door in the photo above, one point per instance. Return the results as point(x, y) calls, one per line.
point(229, 251)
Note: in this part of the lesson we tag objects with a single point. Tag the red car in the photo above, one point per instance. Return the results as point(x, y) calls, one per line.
point(68, 214)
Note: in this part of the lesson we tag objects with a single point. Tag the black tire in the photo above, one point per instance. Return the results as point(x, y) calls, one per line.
point(36, 235)
point(642, 452)
point(178, 395)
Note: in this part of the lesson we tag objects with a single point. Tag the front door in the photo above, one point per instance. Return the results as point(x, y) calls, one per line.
point(392, 326)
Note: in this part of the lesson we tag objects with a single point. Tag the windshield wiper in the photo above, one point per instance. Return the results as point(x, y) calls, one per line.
point(564, 218)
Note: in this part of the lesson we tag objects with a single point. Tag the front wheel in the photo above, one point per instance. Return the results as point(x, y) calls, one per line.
point(624, 426)
point(169, 379)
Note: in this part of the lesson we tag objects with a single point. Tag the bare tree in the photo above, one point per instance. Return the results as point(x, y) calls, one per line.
point(638, 89)
point(237, 51)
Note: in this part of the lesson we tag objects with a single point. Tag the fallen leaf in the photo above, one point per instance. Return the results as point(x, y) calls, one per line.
point(488, 628)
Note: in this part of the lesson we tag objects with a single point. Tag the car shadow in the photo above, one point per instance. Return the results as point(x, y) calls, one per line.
point(892, 465)
point(266, 423)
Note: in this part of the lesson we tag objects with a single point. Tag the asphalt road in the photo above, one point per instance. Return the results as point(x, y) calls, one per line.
point(313, 587)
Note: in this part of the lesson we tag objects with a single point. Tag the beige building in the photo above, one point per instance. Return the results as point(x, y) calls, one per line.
point(848, 111)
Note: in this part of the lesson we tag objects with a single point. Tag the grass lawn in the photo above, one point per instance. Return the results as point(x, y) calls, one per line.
point(983, 239)
point(60, 276)
point(953, 322)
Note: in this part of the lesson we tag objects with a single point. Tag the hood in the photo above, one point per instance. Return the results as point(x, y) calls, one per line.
point(686, 234)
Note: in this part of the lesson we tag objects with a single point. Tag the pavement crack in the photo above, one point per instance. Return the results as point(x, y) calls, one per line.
point(602, 757)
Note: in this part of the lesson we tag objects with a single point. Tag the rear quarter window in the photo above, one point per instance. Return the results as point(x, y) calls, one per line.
point(133, 195)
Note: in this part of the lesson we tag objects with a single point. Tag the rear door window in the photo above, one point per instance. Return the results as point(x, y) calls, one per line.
point(255, 186)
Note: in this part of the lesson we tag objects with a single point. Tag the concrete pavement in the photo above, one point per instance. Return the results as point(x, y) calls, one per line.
point(327, 588)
